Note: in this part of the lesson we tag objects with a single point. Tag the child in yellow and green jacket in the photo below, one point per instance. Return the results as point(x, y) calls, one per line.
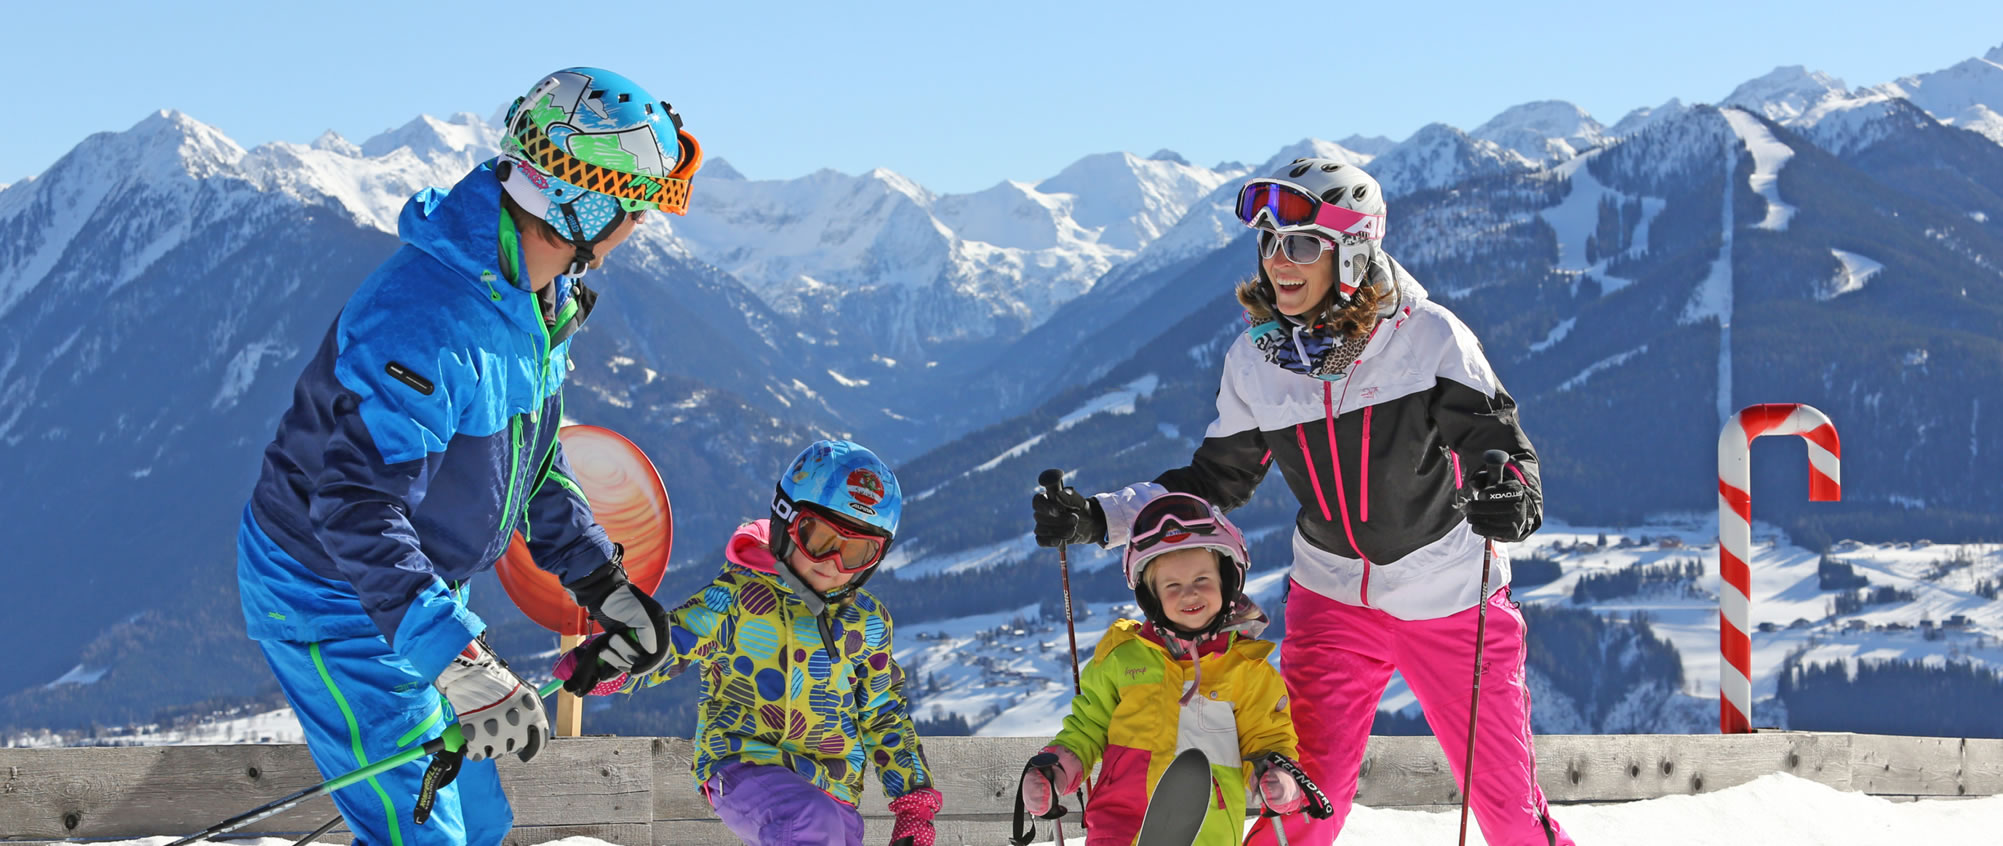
point(1192, 675)
point(800, 694)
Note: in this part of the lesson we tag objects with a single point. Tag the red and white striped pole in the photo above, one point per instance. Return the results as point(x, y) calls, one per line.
point(1735, 535)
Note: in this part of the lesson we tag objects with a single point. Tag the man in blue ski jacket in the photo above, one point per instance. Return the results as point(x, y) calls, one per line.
point(423, 434)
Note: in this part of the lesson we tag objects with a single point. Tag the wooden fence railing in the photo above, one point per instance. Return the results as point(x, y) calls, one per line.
point(638, 790)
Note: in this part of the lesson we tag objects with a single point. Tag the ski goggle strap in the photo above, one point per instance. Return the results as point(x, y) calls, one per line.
point(822, 539)
point(1282, 206)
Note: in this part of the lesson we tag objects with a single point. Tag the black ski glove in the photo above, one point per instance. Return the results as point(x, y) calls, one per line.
point(1506, 509)
point(637, 624)
point(1068, 518)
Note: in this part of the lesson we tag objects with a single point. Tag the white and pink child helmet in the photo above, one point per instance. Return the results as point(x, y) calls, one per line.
point(1175, 521)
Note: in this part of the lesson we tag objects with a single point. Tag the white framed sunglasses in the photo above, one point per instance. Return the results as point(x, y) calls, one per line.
point(1298, 247)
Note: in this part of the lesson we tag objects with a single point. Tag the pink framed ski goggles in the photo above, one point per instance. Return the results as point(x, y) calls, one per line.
point(823, 539)
point(1283, 206)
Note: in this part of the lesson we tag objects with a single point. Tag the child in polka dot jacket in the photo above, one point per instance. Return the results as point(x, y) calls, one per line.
point(800, 692)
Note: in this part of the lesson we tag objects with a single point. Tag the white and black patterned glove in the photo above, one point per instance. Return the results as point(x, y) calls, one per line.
point(498, 712)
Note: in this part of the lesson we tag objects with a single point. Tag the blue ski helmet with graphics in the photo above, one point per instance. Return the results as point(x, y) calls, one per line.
point(846, 479)
point(586, 147)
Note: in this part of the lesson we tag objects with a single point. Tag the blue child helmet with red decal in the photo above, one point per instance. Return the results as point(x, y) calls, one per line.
point(847, 481)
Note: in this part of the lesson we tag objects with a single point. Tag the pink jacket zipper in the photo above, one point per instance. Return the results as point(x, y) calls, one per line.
point(1366, 461)
point(1341, 496)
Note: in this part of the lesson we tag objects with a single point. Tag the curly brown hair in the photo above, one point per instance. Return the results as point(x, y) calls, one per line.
point(1354, 318)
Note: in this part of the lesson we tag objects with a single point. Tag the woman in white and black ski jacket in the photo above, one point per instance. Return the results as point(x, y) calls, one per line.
point(1377, 406)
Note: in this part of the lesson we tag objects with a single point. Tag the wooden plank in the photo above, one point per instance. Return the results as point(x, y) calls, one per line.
point(1405, 771)
point(977, 775)
point(1908, 766)
point(634, 787)
point(675, 796)
point(1619, 768)
point(138, 791)
point(597, 780)
point(1982, 766)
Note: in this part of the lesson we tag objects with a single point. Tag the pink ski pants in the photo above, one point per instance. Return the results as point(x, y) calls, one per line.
point(1337, 658)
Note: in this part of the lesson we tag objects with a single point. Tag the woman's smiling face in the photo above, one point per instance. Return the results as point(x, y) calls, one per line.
point(1298, 288)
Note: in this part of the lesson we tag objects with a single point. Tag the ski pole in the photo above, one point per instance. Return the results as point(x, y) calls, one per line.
point(329, 826)
point(450, 741)
point(1495, 459)
point(1052, 481)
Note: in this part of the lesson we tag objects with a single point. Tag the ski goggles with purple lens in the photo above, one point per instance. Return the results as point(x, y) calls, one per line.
point(1284, 206)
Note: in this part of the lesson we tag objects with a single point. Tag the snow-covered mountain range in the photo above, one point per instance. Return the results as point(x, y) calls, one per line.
point(1801, 241)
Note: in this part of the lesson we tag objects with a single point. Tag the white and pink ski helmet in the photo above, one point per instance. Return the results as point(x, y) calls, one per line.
point(1175, 521)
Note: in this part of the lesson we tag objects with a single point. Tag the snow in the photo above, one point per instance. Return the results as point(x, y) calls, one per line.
point(1964, 95)
point(1713, 297)
point(1119, 401)
point(80, 674)
point(1212, 221)
point(1775, 809)
point(1785, 589)
point(1844, 126)
point(1439, 155)
point(1577, 217)
point(1785, 93)
point(992, 259)
point(1614, 360)
point(279, 726)
point(1545, 131)
point(1116, 402)
point(1644, 117)
point(1856, 271)
point(847, 382)
point(1556, 334)
point(1012, 452)
point(1769, 155)
point(242, 368)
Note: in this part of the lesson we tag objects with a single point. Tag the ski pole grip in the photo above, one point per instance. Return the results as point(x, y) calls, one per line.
point(1052, 481)
point(1495, 459)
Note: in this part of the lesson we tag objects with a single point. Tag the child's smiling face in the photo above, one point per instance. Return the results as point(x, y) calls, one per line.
point(1188, 585)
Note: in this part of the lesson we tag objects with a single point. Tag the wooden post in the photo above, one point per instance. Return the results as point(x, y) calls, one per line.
point(569, 708)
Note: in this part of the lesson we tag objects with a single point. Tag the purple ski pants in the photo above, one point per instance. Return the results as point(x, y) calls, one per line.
point(1337, 658)
point(774, 806)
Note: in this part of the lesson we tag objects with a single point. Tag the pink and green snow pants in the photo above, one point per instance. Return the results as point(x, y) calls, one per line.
point(1337, 658)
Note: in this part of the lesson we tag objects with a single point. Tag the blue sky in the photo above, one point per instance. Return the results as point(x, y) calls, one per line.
point(955, 95)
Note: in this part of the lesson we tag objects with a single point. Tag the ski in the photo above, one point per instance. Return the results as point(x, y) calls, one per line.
point(1180, 801)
